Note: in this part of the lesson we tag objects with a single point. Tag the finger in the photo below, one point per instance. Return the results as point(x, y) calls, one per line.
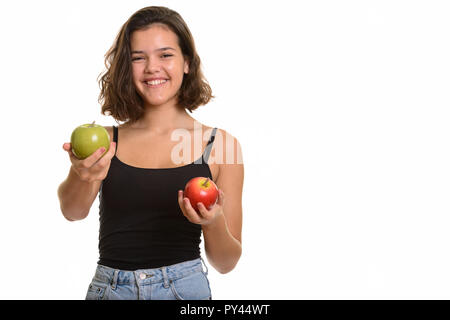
point(221, 199)
point(204, 212)
point(180, 202)
point(191, 214)
point(68, 148)
point(93, 158)
point(112, 150)
point(108, 155)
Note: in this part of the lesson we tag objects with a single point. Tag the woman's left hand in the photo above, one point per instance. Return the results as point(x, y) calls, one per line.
point(205, 216)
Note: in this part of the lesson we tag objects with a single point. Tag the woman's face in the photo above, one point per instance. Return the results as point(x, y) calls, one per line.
point(158, 64)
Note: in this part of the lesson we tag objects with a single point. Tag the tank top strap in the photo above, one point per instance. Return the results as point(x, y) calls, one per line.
point(209, 146)
point(115, 135)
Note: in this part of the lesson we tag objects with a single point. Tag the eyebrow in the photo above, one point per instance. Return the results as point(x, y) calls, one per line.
point(160, 49)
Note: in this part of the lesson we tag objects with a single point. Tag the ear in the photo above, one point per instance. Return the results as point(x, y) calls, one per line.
point(186, 66)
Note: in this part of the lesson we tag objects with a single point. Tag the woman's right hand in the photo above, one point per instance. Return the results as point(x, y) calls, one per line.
point(93, 168)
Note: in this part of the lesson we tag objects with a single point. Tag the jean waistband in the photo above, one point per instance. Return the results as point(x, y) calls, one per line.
point(164, 274)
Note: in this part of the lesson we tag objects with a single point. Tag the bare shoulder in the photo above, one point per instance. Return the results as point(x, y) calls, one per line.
point(229, 146)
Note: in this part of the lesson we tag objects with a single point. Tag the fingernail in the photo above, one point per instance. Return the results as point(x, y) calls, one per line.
point(102, 149)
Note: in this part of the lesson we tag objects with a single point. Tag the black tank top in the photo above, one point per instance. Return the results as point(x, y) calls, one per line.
point(141, 223)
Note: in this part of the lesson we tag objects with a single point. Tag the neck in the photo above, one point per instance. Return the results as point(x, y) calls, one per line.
point(164, 119)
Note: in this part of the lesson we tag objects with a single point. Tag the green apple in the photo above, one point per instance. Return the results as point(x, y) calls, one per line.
point(87, 138)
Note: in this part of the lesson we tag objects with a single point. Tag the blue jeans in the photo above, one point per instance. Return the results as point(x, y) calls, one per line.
point(181, 281)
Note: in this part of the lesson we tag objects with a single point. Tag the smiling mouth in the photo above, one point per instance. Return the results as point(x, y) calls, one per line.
point(155, 83)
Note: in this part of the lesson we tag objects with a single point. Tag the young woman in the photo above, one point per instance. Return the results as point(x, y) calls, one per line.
point(149, 232)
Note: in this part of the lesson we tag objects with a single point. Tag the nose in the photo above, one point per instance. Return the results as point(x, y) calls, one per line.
point(152, 66)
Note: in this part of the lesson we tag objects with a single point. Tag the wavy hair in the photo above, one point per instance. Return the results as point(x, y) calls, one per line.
point(118, 96)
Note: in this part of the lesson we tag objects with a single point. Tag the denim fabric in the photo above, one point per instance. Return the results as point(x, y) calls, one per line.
point(181, 281)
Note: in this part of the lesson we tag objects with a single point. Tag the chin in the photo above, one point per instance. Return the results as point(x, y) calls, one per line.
point(157, 102)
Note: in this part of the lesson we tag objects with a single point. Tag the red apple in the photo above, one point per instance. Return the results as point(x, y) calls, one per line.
point(201, 189)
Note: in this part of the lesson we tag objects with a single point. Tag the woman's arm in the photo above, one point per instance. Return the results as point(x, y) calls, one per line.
point(76, 196)
point(77, 193)
point(222, 224)
point(223, 242)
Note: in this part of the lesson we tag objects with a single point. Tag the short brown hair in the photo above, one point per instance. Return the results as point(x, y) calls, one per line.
point(118, 96)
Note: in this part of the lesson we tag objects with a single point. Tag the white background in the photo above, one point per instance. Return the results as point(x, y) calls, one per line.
point(342, 111)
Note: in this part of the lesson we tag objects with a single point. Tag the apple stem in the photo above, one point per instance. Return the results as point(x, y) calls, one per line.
point(206, 182)
point(92, 124)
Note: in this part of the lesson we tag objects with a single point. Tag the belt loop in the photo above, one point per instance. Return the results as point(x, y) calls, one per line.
point(206, 272)
point(114, 279)
point(165, 277)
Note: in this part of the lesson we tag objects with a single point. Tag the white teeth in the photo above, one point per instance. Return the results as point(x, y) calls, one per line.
point(155, 82)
